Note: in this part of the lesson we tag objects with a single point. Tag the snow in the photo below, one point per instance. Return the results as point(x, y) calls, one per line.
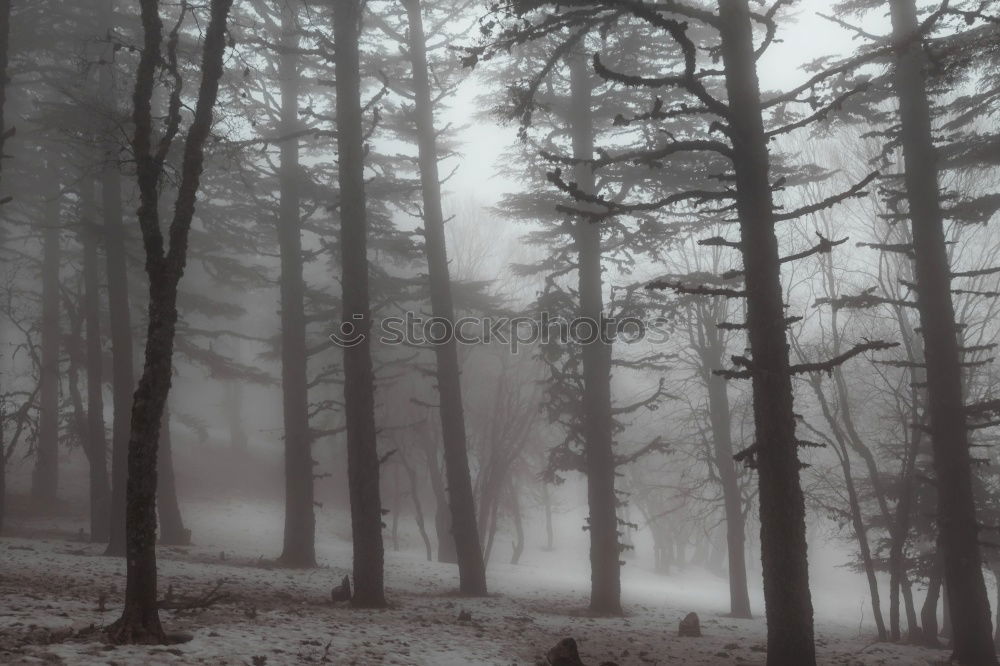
point(50, 589)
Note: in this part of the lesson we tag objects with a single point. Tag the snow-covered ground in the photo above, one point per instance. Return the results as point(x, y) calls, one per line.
point(50, 590)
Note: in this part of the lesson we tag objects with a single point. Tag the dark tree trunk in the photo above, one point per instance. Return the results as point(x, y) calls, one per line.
point(605, 551)
point(861, 533)
point(4, 57)
point(359, 379)
point(122, 367)
point(140, 621)
point(962, 562)
point(928, 613)
point(722, 438)
point(787, 598)
point(96, 441)
point(471, 570)
point(172, 530)
point(442, 516)
point(300, 522)
point(46, 474)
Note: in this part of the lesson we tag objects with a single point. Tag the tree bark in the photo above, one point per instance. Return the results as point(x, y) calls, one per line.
point(515, 513)
point(963, 573)
point(46, 473)
point(605, 551)
point(418, 509)
point(787, 598)
point(461, 501)
point(928, 613)
point(96, 441)
point(122, 366)
point(722, 439)
point(359, 378)
point(300, 522)
point(140, 621)
point(442, 516)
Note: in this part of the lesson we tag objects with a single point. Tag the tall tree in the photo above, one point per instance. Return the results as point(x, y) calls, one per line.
point(46, 473)
point(599, 459)
point(472, 572)
point(300, 524)
point(359, 376)
point(114, 237)
point(959, 540)
point(96, 440)
point(140, 621)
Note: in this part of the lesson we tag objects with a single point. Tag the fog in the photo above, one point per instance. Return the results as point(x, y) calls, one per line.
point(442, 332)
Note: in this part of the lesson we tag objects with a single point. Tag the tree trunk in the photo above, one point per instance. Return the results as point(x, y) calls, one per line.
point(300, 522)
point(928, 613)
point(550, 536)
point(963, 572)
point(722, 438)
point(787, 598)
point(122, 367)
point(515, 512)
point(359, 379)
point(140, 621)
point(471, 570)
point(861, 533)
point(605, 567)
point(172, 530)
point(442, 516)
point(96, 442)
point(46, 474)
point(418, 509)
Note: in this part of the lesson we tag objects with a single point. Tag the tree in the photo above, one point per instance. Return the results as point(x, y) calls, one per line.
point(963, 573)
point(299, 540)
point(46, 472)
point(472, 571)
point(140, 621)
point(359, 376)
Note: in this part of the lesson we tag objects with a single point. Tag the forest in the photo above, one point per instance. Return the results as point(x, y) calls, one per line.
point(460, 332)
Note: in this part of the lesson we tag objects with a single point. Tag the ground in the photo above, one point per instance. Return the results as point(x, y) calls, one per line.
point(52, 585)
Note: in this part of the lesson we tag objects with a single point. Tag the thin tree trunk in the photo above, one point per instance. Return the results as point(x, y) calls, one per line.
point(787, 598)
point(861, 533)
point(172, 530)
point(300, 522)
point(515, 511)
point(928, 613)
point(418, 509)
point(722, 438)
point(963, 572)
point(471, 570)
point(46, 473)
point(547, 503)
point(122, 366)
point(605, 551)
point(140, 620)
point(359, 379)
point(442, 516)
point(96, 442)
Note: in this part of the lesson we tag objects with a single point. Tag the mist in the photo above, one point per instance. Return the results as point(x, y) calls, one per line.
point(441, 332)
